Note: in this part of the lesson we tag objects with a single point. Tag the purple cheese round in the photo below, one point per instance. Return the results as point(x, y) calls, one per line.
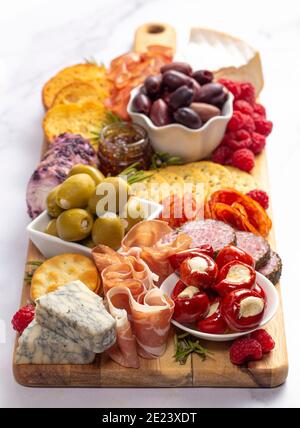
point(66, 151)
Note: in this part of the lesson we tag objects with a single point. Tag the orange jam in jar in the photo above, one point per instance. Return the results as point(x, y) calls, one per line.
point(122, 144)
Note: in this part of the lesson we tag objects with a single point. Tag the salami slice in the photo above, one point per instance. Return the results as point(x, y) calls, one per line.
point(212, 232)
point(272, 270)
point(256, 246)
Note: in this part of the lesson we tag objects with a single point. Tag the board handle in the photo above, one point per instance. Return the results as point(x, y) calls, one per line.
point(154, 33)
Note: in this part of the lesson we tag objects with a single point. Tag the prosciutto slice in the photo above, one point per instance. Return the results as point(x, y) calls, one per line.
point(142, 312)
point(148, 237)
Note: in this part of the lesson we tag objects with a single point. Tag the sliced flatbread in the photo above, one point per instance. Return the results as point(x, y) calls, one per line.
point(82, 119)
point(90, 73)
point(61, 270)
point(241, 180)
point(80, 93)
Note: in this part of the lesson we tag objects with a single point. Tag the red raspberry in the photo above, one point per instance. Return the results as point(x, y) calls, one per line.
point(236, 122)
point(261, 197)
point(224, 142)
point(263, 126)
point(259, 109)
point(243, 159)
point(249, 124)
point(248, 93)
point(243, 106)
point(222, 155)
point(239, 140)
point(233, 87)
point(266, 341)
point(257, 116)
point(244, 350)
point(258, 143)
point(23, 318)
point(240, 120)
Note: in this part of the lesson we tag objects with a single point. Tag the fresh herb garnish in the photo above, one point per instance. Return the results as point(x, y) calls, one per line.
point(133, 174)
point(185, 344)
point(29, 274)
point(161, 160)
point(110, 118)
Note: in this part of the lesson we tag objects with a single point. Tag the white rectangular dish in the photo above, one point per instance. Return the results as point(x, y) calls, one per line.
point(51, 246)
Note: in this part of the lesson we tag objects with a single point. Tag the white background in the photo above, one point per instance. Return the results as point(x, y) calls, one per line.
point(37, 38)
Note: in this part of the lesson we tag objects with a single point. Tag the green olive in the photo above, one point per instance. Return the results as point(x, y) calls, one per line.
point(75, 192)
point(133, 213)
point(51, 227)
point(108, 231)
point(93, 172)
point(52, 208)
point(74, 225)
point(113, 192)
point(94, 199)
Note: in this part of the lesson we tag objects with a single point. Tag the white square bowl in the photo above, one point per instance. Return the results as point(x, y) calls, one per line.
point(51, 246)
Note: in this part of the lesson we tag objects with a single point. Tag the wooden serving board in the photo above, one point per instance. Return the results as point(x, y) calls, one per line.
point(165, 372)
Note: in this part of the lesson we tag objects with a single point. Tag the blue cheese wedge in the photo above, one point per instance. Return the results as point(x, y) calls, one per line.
point(38, 345)
point(75, 312)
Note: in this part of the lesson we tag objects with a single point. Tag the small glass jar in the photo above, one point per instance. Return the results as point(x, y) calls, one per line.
point(122, 144)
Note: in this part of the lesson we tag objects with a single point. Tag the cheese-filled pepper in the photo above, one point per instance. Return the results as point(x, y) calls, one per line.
point(177, 258)
point(199, 271)
point(230, 253)
point(213, 323)
point(243, 309)
point(234, 276)
point(190, 304)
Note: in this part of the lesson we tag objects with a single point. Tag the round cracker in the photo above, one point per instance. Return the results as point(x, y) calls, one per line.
point(241, 180)
point(153, 188)
point(61, 270)
point(189, 175)
point(171, 177)
point(217, 176)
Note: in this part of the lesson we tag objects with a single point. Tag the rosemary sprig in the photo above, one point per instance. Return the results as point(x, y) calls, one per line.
point(161, 160)
point(29, 273)
point(133, 174)
point(185, 344)
point(110, 118)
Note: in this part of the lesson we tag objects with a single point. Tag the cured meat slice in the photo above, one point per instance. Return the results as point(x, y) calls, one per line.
point(272, 270)
point(239, 210)
point(142, 312)
point(124, 351)
point(150, 324)
point(148, 236)
point(215, 233)
point(256, 246)
point(129, 70)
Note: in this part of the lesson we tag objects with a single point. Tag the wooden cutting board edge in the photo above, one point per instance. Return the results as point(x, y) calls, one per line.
point(271, 372)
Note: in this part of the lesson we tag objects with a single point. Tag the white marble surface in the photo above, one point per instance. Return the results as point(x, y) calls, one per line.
point(38, 37)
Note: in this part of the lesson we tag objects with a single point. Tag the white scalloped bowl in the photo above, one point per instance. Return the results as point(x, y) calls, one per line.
point(178, 140)
point(271, 308)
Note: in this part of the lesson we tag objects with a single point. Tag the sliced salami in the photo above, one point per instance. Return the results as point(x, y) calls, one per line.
point(256, 246)
point(212, 232)
point(272, 270)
